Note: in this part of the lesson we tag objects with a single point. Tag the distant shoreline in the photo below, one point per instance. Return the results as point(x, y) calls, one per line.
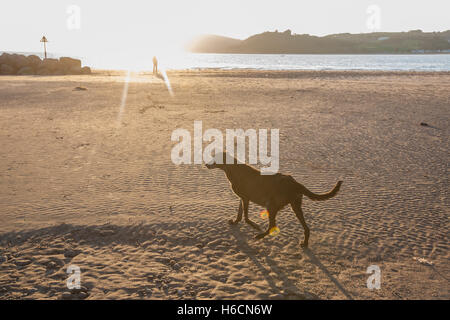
point(40, 54)
point(98, 74)
point(433, 62)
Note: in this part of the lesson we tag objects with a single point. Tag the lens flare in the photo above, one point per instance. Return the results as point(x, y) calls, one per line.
point(264, 214)
point(167, 82)
point(274, 231)
point(124, 98)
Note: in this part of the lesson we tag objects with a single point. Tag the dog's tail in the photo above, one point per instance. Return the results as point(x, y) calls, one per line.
point(323, 196)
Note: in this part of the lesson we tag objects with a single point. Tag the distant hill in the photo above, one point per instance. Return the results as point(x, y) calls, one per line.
point(414, 41)
point(212, 44)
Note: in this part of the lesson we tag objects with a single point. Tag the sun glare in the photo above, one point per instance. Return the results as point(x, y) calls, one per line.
point(123, 102)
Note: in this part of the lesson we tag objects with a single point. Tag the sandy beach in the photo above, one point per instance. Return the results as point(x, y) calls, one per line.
point(86, 179)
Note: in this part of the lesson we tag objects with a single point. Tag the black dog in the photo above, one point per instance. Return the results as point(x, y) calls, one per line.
point(270, 191)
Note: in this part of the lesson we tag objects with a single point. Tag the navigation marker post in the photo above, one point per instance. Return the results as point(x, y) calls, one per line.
point(44, 40)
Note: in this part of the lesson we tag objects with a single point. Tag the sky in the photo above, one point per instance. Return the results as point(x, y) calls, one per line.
point(121, 28)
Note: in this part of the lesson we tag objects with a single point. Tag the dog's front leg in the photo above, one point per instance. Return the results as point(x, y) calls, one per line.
point(247, 220)
point(239, 216)
point(272, 215)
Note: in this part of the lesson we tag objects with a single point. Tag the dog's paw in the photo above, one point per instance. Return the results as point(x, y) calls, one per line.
point(232, 222)
point(304, 245)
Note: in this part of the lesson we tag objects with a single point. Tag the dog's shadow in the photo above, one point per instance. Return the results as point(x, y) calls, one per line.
point(319, 264)
point(273, 266)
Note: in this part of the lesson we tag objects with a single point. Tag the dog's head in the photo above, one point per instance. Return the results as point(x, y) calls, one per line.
point(221, 164)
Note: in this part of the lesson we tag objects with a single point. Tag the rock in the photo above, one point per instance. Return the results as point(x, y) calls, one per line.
point(2, 259)
point(43, 71)
point(26, 65)
point(69, 63)
point(74, 296)
point(66, 296)
point(74, 70)
point(6, 69)
point(19, 61)
point(79, 290)
point(6, 58)
point(86, 70)
point(83, 295)
point(424, 261)
point(51, 265)
point(58, 72)
point(25, 71)
point(34, 61)
point(176, 266)
point(50, 64)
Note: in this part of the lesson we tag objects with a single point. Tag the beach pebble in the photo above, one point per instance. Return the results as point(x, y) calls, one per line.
point(74, 296)
point(79, 290)
point(66, 296)
point(2, 259)
point(424, 261)
point(51, 265)
point(176, 266)
point(82, 295)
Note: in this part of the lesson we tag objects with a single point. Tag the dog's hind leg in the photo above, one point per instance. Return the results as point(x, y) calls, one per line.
point(297, 207)
point(247, 220)
point(272, 215)
point(239, 216)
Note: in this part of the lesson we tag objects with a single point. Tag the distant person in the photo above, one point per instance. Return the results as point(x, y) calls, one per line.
point(155, 65)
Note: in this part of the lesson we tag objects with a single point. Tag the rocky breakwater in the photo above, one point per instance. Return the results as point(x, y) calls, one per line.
point(16, 64)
